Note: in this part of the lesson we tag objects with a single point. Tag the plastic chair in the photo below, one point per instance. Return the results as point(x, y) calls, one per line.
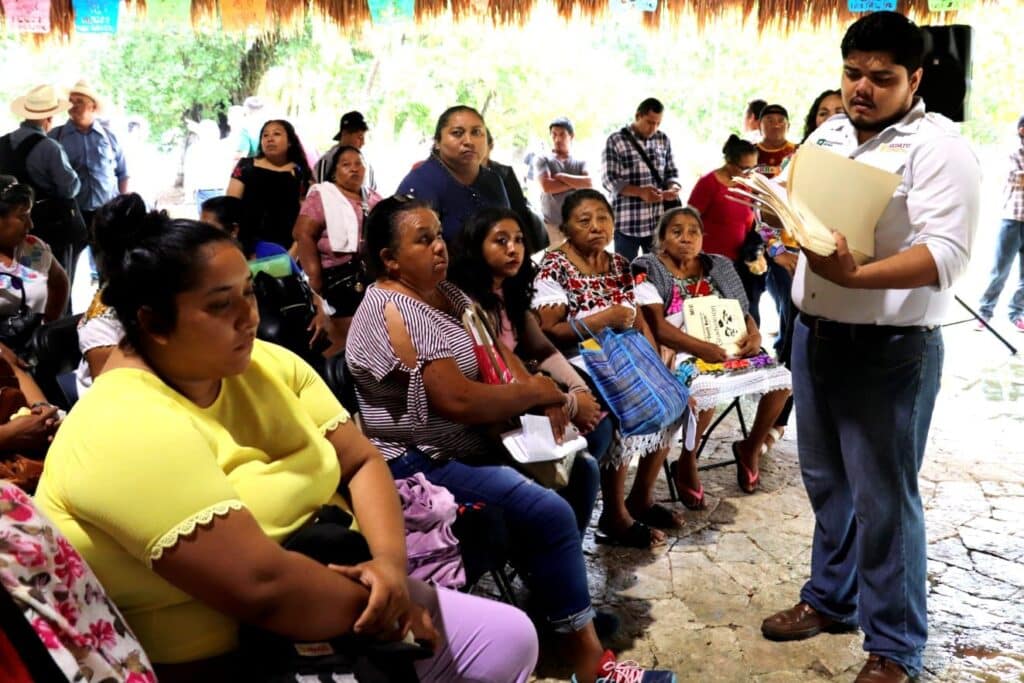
point(54, 350)
point(734, 405)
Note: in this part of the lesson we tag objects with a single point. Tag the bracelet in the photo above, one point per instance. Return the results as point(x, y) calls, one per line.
point(41, 404)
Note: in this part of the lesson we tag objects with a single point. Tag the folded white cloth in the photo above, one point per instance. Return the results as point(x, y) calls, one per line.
point(341, 219)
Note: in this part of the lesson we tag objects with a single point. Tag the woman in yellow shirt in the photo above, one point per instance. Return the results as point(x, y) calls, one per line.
point(199, 450)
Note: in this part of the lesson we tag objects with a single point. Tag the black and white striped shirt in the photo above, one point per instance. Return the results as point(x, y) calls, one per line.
point(393, 405)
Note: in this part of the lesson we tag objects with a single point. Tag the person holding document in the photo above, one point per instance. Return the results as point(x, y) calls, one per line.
point(867, 355)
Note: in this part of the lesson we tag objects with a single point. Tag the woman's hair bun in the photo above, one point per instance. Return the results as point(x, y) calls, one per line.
point(122, 224)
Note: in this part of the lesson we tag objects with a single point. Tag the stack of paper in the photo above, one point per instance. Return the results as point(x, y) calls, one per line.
point(826, 192)
point(535, 442)
point(715, 320)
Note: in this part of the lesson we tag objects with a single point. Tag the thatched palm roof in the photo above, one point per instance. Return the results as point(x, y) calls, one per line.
point(782, 15)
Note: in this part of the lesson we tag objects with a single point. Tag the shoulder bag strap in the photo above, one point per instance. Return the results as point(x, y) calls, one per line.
point(643, 155)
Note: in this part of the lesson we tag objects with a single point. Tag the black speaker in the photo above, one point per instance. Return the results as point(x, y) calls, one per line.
point(946, 84)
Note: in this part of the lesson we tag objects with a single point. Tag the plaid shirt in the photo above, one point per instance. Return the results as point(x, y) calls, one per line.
point(622, 165)
point(1013, 206)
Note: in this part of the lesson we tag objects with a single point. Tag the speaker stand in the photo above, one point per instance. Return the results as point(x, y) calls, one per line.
point(975, 316)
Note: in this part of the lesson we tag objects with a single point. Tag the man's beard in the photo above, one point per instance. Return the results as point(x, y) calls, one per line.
point(881, 124)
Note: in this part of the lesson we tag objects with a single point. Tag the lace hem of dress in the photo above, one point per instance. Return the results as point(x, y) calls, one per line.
point(710, 391)
point(188, 526)
point(335, 422)
point(625, 449)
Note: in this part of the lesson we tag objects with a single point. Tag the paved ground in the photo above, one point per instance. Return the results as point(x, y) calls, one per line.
point(696, 605)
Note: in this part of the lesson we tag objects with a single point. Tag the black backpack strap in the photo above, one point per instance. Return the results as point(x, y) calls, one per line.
point(13, 159)
point(643, 155)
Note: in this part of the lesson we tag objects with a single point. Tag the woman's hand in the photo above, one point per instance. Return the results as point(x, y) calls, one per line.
point(422, 627)
point(321, 323)
point(750, 345)
point(559, 418)
point(387, 612)
point(619, 317)
point(30, 432)
point(712, 353)
point(788, 261)
point(545, 391)
point(11, 357)
point(588, 412)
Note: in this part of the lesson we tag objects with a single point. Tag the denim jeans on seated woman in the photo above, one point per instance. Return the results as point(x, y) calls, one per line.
point(541, 525)
point(585, 478)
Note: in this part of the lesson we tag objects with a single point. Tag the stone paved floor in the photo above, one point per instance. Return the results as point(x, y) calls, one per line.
point(695, 606)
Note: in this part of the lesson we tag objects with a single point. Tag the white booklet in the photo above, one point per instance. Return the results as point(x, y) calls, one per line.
point(826, 192)
point(535, 441)
point(716, 320)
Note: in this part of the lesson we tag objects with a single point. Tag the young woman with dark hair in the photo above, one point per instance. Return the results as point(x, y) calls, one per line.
point(828, 103)
point(272, 184)
point(422, 403)
point(490, 263)
point(231, 446)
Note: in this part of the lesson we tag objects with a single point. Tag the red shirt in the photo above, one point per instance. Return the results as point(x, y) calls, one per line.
point(769, 161)
point(725, 222)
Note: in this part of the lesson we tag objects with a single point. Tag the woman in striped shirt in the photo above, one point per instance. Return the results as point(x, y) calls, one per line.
point(423, 406)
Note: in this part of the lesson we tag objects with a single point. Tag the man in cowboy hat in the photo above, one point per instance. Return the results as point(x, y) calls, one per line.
point(351, 133)
point(94, 152)
point(27, 154)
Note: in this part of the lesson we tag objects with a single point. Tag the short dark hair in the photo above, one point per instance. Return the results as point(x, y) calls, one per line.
point(381, 229)
point(149, 260)
point(736, 147)
point(577, 197)
point(14, 194)
point(471, 274)
point(650, 105)
point(889, 32)
point(754, 107)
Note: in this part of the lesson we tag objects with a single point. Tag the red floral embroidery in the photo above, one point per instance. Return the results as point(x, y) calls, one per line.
point(699, 288)
point(46, 634)
point(103, 633)
point(15, 504)
point(587, 293)
point(69, 566)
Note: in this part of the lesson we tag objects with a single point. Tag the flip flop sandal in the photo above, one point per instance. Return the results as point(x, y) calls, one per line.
point(746, 478)
point(691, 499)
point(637, 536)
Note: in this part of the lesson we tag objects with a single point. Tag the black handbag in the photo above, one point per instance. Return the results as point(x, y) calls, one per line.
point(271, 658)
point(345, 285)
point(668, 203)
point(17, 328)
point(287, 308)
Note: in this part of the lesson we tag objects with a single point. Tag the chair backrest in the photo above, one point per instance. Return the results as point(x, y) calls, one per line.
point(54, 347)
point(339, 379)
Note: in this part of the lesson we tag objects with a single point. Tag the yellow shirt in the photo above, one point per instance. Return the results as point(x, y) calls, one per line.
point(136, 465)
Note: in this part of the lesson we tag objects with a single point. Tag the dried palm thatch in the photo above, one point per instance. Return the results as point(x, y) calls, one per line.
point(770, 15)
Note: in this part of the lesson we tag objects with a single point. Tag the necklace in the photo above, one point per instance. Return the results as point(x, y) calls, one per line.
point(582, 264)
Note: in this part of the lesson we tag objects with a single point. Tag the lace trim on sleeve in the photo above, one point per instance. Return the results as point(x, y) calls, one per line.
point(188, 526)
point(549, 293)
point(335, 422)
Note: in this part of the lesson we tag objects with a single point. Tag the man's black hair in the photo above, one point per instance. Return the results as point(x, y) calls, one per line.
point(888, 32)
point(649, 105)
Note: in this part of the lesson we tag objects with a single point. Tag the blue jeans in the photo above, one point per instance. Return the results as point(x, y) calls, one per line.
point(864, 404)
point(585, 478)
point(780, 284)
point(540, 523)
point(1010, 246)
point(629, 246)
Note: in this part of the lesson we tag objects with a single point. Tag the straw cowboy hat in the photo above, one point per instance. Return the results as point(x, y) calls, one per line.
point(83, 88)
point(41, 102)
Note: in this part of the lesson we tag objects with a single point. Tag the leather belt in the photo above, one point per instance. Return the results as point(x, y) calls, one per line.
point(823, 328)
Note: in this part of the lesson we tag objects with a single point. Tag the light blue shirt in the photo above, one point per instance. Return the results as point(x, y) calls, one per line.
point(97, 158)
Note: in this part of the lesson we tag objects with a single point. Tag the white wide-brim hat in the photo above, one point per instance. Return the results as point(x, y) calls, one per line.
point(41, 102)
point(83, 88)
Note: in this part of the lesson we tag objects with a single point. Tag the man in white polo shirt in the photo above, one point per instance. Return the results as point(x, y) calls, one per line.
point(867, 357)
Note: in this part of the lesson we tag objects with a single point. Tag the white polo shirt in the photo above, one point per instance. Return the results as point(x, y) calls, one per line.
point(936, 205)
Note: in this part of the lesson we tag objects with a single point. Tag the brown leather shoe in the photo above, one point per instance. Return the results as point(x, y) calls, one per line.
point(799, 622)
point(882, 670)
